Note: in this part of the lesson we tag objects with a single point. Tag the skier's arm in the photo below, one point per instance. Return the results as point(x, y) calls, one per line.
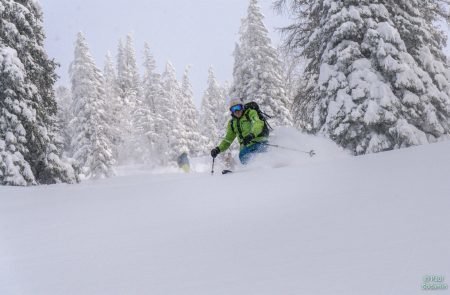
point(229, 138)
point(257, 123)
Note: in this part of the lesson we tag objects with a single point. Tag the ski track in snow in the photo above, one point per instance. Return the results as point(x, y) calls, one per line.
point(332, 224)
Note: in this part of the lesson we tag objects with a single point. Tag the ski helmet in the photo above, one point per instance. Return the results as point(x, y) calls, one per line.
point(235, 101)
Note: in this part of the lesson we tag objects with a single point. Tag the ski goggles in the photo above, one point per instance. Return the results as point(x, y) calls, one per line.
point(236, 108)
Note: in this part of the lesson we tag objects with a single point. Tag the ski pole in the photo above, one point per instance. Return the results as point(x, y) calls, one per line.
point(212, 168)
point(310, 153)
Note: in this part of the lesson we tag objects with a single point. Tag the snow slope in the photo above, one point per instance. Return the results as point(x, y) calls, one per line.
point(333, 224)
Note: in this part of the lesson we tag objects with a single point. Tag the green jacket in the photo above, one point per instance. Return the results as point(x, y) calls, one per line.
point(255, 126)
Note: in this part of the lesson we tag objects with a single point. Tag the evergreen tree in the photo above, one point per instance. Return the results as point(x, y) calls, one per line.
point(63, 99)
point(152, 80)
point(293, 68)
point(129, 92)
point(238, 87)
point(121, 70)
point(172, 112)
point(127, 72)
point(141, 143)
point(258, 74)
point(113, 106)
point(146, 116)
point(161, 111)
point(224, 112)
point(189, 116)
point(91, 144)
point(30, 152)
point(212, 108)
point(376, 77)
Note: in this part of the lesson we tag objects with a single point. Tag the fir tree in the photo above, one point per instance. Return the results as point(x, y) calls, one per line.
point(127, 71)
point(293, 68)
point(189, 116)
point(224, 112)
point(30, 151)
point(121, 69)
point(160, 107)
point(172, 96)
point(258, 74)
point(143, 126)
point(113, 106)
point(212, 108)
point(376, 77)
point(91, 144)
point(63, 99)
point(152, 80)
point(238, 87)
point(129, 92)
point(146, 116)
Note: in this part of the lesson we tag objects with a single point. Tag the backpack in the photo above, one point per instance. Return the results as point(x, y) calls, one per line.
point(262, 116)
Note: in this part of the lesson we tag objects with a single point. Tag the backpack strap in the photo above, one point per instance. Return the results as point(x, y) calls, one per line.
point(247, 116)
point(238, 123)
point(239, 133)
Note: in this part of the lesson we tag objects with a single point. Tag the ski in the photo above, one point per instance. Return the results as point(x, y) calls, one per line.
point(226, 171)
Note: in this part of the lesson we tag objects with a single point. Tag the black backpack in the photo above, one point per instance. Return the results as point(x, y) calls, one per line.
point(262, 116)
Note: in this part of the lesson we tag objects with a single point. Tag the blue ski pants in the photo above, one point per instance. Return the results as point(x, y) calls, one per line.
point(248, 152)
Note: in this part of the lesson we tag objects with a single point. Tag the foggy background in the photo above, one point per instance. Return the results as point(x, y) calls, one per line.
point(200, 32)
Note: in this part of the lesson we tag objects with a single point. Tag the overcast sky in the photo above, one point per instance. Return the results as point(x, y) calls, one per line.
point(196, 32)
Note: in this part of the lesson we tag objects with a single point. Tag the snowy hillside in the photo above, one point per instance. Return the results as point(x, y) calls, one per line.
point(332, 224)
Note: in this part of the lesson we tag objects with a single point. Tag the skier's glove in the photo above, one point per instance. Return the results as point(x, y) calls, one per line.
point(215, 151)
point(248, 139)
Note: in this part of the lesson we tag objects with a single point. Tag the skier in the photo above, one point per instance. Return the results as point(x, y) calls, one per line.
point(183, 162)
point(248, 127)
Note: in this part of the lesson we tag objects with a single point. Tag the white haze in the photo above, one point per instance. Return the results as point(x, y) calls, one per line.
point(200, 32)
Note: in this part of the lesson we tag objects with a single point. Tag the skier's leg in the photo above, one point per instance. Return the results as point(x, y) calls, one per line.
point(245, 155)
point(248, 152)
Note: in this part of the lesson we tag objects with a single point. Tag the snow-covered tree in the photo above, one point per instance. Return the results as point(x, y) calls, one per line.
point(30, 151)
point(189, 116)
point(240, 76)
point(114, 107)
point(146, 116)
point(127, 71)
point(151, 82)
point(121, 69)
point(129, 92)
point(258, 73)
point(224, 112)
point(293, 69)
point(158, 124)
point(168, 125)
point(376, 77)
point(63, 99)
point(91, 144)
point(143, 130)
point(212, 110)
